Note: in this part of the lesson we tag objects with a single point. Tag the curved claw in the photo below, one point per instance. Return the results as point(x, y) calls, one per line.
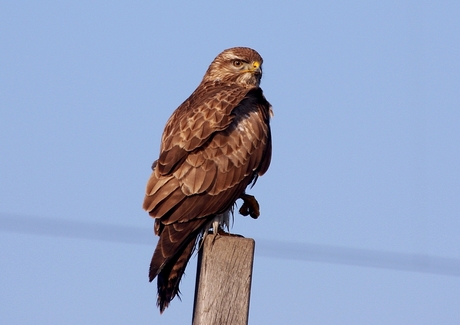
point(250, 206)
point(222, 232)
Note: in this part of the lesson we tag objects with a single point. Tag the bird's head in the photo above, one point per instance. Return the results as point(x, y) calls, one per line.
point(240, 65)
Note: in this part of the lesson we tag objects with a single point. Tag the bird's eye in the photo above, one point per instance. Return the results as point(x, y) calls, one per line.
point(237, 63)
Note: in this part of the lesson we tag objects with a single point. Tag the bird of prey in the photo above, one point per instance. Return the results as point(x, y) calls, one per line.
point(214, 145)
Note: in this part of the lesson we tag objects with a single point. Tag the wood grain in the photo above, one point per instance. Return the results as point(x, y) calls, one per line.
point(223, 283)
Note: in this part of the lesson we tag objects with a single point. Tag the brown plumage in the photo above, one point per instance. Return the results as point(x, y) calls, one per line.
point(214, 145)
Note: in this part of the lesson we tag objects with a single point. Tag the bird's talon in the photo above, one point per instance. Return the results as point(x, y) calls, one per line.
point(222, 232)
point(250, 206)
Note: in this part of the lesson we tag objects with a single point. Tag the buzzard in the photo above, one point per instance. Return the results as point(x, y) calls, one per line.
point(214, 145)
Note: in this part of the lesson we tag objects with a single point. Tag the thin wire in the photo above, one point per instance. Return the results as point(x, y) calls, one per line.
point(266, 248)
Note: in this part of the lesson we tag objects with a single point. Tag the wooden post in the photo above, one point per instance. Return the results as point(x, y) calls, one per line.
point(223, 284)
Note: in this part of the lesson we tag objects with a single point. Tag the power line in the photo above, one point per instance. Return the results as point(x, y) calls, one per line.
point(359, 257)
point(266, 248)
point(76, 229)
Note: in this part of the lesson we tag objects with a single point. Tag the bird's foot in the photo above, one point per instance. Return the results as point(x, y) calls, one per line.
point(250, 206)
point(222, 232)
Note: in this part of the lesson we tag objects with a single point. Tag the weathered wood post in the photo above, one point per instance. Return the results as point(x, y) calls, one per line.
point(223, 282)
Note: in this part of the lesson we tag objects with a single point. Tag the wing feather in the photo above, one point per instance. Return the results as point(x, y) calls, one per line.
point(168, 203)
point(189, 126)
point(155, 183)
point(161, 194)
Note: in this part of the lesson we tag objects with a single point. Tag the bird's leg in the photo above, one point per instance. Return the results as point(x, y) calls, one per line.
point(250, 206)
point(222, 232)
point(218, 230)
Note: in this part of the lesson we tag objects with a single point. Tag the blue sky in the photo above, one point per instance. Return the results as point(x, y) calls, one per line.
point(366, 153)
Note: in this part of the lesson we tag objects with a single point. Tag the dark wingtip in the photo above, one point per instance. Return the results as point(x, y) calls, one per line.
point(153, 272)
point(156, 265)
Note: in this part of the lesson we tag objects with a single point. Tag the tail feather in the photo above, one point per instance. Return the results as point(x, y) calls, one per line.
point(174, 249)
point(170, 276)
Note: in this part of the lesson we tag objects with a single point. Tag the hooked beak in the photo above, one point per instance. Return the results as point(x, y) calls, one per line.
point(255, 69)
